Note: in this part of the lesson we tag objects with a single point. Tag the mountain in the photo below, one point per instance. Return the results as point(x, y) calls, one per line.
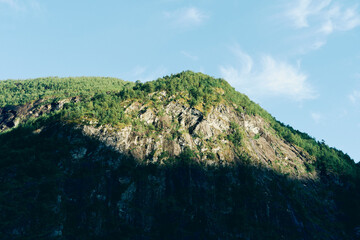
point(182, 157)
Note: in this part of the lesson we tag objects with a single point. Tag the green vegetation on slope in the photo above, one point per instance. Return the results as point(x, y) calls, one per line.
point(208, 91)
point(16, 92)
point(103, 101)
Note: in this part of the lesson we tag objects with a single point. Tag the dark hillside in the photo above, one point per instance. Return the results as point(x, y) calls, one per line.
point(59, 184)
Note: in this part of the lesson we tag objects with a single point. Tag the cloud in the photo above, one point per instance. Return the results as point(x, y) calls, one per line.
point(303, 9)
point(318, 44)
point(309, 46)
point(326, 16)
point(337, 19)
point(22, 5)
point(354, 97)
point(138, 71)
point(189, 55)
point(272, 78)
point(11, 3)
point(316, 117)
point(319, 18)
point(141, 73)
point(186, 16)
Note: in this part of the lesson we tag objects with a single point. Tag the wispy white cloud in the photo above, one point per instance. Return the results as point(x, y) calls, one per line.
point(14, 4)
point(354, 97)
point(303, 9)
point(317, 117)
point(272, 77)
point(318, 44)
point(189, 55)
point(343, 114)
point(310, 46)
point(322, 18)
point(143, 74)
point(186, 16)
point(138, 71)
point(35, 5)
point(22, 5)
point(338, 19)
point(325, 15)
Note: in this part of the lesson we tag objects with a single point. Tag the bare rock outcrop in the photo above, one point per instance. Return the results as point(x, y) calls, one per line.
point(181, 126)
point(11, 116)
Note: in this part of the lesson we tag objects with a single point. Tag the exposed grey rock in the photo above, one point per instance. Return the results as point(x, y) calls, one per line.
point(190, 128)
point(12, 116)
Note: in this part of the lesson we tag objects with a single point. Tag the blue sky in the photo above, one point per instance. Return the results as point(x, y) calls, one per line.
point(299, 59)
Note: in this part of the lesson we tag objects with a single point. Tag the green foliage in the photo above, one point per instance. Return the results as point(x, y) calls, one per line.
point(200, 87)
point(187, 155)
point(103, 102)
point(236, 134)
point(15, 92)
point(211, 156)
point(101, 108)
point(309, 167)
point(328, 160)
point(164, 155)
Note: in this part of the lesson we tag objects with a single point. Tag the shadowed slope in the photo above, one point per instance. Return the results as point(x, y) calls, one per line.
point(60, 184)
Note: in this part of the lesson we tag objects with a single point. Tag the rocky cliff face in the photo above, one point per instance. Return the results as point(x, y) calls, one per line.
point(179, 126)
point(11, 116)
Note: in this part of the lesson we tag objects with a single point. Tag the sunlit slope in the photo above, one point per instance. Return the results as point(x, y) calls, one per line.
point(15, 92)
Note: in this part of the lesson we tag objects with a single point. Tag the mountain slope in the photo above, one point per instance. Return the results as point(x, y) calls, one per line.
point(182, 157)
